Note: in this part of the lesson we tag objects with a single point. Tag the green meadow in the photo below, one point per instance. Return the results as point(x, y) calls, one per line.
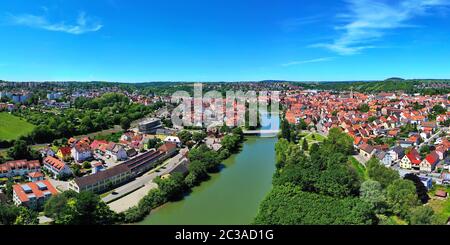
point(12, 127)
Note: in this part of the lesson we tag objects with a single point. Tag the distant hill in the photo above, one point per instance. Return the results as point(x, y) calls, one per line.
point(395, 79)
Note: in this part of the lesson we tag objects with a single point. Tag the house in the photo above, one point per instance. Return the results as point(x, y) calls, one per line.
point(64, 153)
point(441, 194)
point(366, 150)
point(34, 194)
point(116, 152)
point(97, 167)
point(173, 139)
point(102, 180)
point(47, 152)
point(19, 168)
point(384, 157)
point(97, 145)
point(397, 153)
point(405, 144)
point(81, 152)
point(35, 176)
point(57, 167)
point(168, 149)
point(426, 181)
point(131, 152)
point(145, 161)
point(429, 163)
point(411, 160)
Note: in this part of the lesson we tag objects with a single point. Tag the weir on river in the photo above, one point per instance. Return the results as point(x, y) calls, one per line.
point(231, 196)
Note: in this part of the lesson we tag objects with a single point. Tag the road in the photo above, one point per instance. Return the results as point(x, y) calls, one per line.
point(436, 135)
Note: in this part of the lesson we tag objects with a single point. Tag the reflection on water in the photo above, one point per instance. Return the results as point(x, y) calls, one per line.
point(231, 196)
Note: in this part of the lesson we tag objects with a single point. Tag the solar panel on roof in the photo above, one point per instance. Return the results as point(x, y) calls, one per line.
point(26, 188)
point(41, 186)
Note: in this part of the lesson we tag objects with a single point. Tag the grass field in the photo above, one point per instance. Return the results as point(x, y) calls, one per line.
point(440, 207)
point(12, 127)
point(315, 137)
point(360, 169)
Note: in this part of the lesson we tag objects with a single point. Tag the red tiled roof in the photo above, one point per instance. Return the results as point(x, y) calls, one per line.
point(432, 158)
point(55, 163)
point(414, 157)
point(24, 197)
point(65, 150)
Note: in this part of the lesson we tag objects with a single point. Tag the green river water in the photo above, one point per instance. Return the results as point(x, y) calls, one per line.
point(231, 196)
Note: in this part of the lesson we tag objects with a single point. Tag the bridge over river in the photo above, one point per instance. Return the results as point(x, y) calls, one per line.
point(261, 132)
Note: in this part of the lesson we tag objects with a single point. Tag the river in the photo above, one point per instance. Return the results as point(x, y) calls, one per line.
point(231, 197)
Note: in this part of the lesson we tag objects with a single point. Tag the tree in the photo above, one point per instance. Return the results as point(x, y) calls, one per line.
point(197, 173)
point(185, 136)
point(26, 217)
point(421, 190)
point(364, 108)
point(152, 143)
point(12, 215)
point(372, 192)
point(87, 165)
point(281, 148)
point(339, 141)
point(172, 187)
point(125, 123)
point(285, 130)
point(84, 208)
point(199, 136)
point(230, 142)
point(208, 157)
point(20, 150)
point(305, 145)
point(378, 172)
point(288, 205)
point(421, 215)
point(401, 196)
point(314, 148)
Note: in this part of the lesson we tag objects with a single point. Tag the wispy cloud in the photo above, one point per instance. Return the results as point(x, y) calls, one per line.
point(323, 59)
point(82, 25)
point(367, 21)
point(295, 23)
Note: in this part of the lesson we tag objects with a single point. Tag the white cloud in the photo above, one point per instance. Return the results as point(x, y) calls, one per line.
point(368, 21)
point(323, 59)
point(295, 23)
point(83, 23)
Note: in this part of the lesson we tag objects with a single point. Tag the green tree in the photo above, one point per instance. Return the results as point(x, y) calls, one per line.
point(125, 123)
point(84, 208)
point(314, 148)
point(421, 215)
point(376, 171)
point(285, 130)
point(20, 150)
point(421, 190)
point(199, 136)
point(197, 173)
point(173, 186)
point(26, 217)
point(372, 192)
point(288, 205)
point(86, 165)
point(364, 108)
point(305, 145)
point(401, 196)
point(185, 136)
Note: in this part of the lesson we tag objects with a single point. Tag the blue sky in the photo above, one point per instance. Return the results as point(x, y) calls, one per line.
point(223, 40)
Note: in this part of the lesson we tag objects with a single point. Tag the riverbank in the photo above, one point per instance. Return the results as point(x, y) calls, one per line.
point(231, 196)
